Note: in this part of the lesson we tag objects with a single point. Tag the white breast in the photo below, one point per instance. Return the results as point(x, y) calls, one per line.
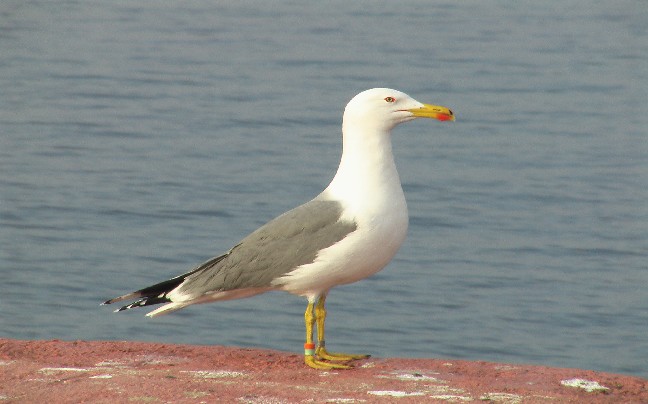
point(370, 191)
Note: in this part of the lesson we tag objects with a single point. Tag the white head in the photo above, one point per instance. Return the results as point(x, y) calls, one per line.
point(367, 176)
point(383, 108)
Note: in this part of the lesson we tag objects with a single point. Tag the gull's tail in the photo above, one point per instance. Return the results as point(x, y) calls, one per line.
point(157, 294)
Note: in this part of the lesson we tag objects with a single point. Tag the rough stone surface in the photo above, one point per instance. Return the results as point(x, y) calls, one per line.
point(135, 372)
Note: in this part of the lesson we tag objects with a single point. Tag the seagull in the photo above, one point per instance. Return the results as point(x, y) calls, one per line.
point(348, 232)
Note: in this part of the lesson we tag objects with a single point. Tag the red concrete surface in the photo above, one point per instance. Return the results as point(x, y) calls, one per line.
point(136, 372)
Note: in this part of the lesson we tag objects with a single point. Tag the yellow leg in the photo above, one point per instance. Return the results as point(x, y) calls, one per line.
point(321, 352)
point(309, 346)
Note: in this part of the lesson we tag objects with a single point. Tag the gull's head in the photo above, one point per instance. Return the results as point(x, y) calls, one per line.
point(384, 108)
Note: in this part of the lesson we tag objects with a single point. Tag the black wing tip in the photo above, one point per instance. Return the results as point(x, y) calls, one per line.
point(145, 301)
point(139, 303)
point(120, 298)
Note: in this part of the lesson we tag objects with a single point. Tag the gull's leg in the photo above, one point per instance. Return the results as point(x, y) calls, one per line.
point(309, 346)
point(321, 352)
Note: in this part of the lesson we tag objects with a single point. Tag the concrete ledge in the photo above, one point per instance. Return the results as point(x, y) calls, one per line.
point(122, 372)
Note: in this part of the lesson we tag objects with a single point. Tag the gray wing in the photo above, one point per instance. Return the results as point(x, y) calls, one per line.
point(276, 248)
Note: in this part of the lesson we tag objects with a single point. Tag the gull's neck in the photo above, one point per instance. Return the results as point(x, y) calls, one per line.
point(367, 179)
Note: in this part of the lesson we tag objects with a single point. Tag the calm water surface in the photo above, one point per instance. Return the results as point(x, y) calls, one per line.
point(137, 140)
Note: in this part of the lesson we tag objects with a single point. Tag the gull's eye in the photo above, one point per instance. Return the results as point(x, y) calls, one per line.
point(390, 99)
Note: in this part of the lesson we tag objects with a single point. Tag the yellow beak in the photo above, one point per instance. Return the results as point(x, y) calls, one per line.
point(433, 111)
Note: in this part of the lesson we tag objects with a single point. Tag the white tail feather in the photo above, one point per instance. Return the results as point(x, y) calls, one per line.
point(167, 308)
